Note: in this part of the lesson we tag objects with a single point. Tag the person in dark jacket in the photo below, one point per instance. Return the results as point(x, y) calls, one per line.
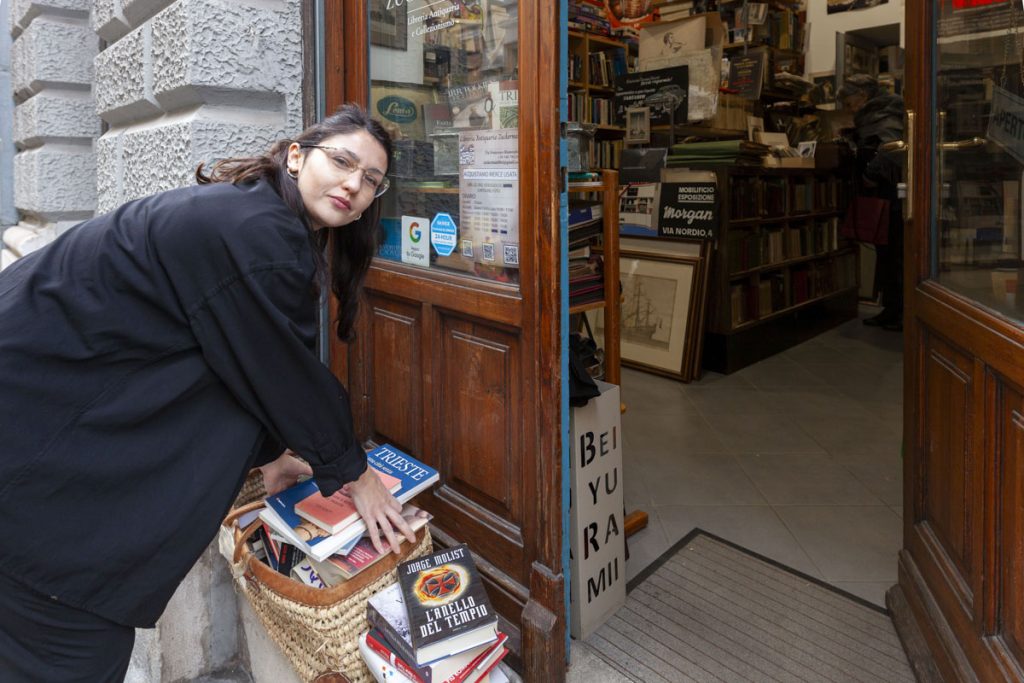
point(149, 358)
point(878, 119)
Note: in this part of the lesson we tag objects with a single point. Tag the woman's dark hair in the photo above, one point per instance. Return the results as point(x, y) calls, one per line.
point(351, 249)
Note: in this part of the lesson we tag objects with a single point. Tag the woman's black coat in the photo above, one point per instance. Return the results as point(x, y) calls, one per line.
point(148, 358)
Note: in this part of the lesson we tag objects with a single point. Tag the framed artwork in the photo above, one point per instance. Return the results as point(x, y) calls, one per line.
point(389, 24)
point(824, 91)
point(658, 313)
point(638, 125)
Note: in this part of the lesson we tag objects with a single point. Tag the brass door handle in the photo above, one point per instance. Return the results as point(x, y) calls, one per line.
point(894, 146)
point(910, 164)
point(959, 145)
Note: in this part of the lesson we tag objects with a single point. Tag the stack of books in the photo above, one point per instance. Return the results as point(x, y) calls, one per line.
point(589, 16)
point(320, 540)
point(435, 625)
point(725, 153)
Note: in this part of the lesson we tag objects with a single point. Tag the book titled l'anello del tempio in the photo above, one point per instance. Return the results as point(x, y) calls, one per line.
point(447, 605)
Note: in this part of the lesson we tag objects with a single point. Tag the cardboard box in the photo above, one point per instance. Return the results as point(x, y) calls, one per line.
point(598, 537)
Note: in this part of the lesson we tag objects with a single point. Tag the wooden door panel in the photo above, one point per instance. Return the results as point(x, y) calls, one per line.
point(394, 358)
point(1009, 598)
point(479, 412)
point(948, 464)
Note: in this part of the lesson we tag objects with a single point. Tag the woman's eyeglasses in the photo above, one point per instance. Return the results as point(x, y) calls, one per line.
point(373, 181)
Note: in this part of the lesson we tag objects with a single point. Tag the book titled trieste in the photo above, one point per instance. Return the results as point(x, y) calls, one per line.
point(280, 514)
point(447, 605)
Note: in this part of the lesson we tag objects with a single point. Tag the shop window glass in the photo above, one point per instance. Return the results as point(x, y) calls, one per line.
point(444, 81)
point(979, 142)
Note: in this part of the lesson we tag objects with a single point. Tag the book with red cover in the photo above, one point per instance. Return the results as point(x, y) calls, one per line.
point(464, 667)
point(337, 511)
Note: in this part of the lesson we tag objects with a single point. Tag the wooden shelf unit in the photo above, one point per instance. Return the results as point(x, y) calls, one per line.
point(608, 187)
point(782, 272)
point(585, 87)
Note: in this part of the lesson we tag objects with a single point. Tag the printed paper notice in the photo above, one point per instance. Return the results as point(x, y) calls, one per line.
point(489, 196)
point(489, 206)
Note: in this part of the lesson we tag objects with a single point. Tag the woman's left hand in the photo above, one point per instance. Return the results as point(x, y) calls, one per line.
point(284, 472)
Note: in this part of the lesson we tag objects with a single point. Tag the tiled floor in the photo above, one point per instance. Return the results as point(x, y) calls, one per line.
point(796, 457)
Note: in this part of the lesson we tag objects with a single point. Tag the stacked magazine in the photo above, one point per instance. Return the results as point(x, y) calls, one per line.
point(321, 540)
point(435, 625)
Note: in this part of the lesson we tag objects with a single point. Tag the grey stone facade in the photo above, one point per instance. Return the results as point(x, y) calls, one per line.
point(118, 99)
point(54, 122)
point(8, 216)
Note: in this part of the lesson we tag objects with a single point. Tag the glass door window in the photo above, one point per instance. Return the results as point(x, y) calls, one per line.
point(444, 81)
point(979, 175)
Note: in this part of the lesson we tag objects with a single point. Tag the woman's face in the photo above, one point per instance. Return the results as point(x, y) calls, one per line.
point(338, 177)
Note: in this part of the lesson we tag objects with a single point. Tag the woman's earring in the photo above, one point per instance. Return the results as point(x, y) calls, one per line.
point(359, 216)
point(293, 174)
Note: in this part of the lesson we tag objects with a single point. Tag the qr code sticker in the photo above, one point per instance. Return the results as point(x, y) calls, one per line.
point(511, 254)
point(467, 155)
point(467, 248)
point(488, 251)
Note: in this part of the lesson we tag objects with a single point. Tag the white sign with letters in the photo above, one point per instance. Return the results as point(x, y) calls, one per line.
point(598, 545)
point(1006, 124)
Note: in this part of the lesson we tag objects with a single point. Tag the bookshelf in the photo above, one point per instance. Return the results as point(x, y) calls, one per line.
point(594, 62)
point(782, 273)
point(607, 188)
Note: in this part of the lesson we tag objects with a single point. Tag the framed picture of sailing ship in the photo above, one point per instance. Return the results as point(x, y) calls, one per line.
point(656, 313)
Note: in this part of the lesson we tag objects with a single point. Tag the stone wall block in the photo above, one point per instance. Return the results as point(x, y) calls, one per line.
point(109, 171)
point(214, 52)
point(55, 182)
point(165, 157)
point(61, 114)
point(24, 11)
point(198, 632)
point(108, 21)
point(139, 11)
point(52, 52)
point(124, 79)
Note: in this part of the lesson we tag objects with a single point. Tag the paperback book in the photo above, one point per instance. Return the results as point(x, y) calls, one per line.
point(466, 667)
point(338, 568)
point(280, 514)
point(387, 615)
point(448, 608)
point(337, 511)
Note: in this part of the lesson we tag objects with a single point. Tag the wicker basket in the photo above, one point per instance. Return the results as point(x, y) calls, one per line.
point(317, 629)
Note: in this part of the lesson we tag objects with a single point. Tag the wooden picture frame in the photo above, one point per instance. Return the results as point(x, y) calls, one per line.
point(638, 125)
point(389, 27)
point(661, 322)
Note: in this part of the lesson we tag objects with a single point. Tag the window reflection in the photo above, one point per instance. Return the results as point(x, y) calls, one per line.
point(444, 80)
point(980, 155)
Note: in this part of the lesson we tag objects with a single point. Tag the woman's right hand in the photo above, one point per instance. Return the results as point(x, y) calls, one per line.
point(379, 509)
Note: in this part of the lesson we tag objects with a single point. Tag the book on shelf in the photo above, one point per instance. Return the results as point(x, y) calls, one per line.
point(466, 667)
point(338, 568)
point(336, 511)
point(280, 515)
point(448, 607)
point(580, 214)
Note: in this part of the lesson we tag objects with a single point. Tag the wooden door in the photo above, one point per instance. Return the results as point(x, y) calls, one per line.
point(458, 362)
point(962, 563)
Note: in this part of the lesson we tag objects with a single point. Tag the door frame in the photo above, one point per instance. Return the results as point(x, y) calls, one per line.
point(539, 633)
point(932, 622)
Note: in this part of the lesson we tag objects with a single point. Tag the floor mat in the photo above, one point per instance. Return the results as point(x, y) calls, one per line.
point(709, 610)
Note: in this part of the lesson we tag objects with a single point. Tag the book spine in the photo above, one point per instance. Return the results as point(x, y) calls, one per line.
point(402, 648)
point(384, 651)
point(289, 558)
